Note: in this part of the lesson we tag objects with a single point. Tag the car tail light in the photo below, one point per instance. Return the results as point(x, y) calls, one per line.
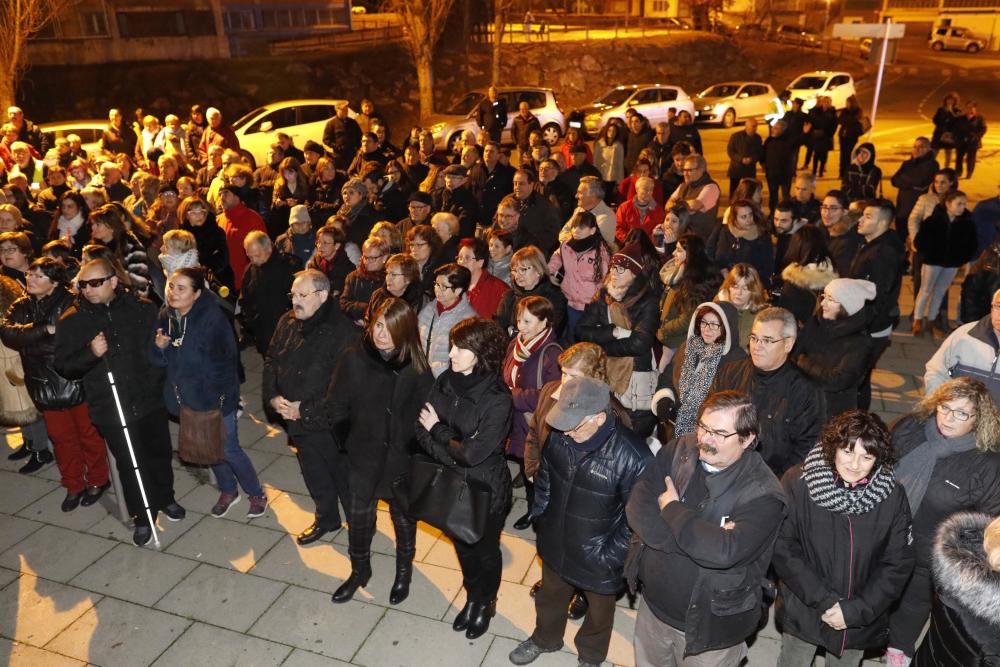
point(558, 106)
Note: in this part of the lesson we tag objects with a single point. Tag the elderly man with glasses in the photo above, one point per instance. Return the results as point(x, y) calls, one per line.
point(792, 408)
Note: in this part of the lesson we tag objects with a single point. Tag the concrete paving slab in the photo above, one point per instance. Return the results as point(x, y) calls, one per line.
point(138, 575)
point(55, 553)
point(19, 491)
point(308, 620)
point(168, 531)
point(289, 513)
point(233, 649)
point(402, 640)
point(34, 610)
point(285, 474)
point(47, 510)
point(119, 634)
point(431, 592)
point(7, 576)
point(16, 654)
point(225, 543)
point(518, 555)
point(300, 658)
point(319, 566)
point(502, 646)
point(221, 597)
point(14, 529)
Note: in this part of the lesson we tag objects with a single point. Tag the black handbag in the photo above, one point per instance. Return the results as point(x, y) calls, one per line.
point(445, 498)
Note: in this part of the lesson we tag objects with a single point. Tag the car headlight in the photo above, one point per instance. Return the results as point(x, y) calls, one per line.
point(707, 107)
point(720, 108)
point(437, 127)
point(592, 118)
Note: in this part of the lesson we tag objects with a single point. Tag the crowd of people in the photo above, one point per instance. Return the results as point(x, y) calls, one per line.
point(683, 387)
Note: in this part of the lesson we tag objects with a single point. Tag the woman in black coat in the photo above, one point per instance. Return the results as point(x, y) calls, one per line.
point(464, 425)
point(833, 348)
point(945, 134)
point(743, 237)
point(213, 252)
point(843, 552)
point(373, 402)
point(949, 461)
point(808, 272)
point(530, 277)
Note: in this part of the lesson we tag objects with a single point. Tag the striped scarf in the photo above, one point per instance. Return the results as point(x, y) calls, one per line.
point(820, 478)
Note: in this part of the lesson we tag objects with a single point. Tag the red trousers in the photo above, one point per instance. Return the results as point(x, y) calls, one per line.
point(79, 449)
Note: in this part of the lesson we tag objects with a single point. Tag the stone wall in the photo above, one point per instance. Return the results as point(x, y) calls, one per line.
point(577, 71)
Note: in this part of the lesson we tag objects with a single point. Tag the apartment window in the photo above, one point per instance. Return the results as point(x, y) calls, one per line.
point(166, 24)
point(94, 24)
point(240, 21)
point(661, 5)
point(199, 23)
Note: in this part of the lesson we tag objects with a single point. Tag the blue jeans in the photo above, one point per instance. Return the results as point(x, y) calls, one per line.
point(934, 284)
point(237, 465)
point(573, 317)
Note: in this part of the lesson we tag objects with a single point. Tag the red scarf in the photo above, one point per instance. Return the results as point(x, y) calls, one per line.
point(521, 353)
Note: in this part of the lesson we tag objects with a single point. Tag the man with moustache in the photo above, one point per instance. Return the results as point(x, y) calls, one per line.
point(705, 515)
point(297, 372)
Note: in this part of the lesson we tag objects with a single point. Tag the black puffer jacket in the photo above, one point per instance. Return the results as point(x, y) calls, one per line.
point(301, 359)
point(980, 285)
point(475, 413)
point(860, 561)
point(595, 326)
point(25, 330)
point(947, 243)
point(580, 506)
point(377, 402)
point(791, 408)
point(128, 324)
point(834, 355)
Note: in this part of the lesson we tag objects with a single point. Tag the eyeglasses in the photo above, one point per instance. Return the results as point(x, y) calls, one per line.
point(293, 295)
point(522, 269)
point(8, 250)
point(755, 340)
point(831, 208)
point(960, 415)
point(419, 244)
point(439, 286)
point(373, 258)
point(705, 324)
point(579, 426)
point(197, 211)
point(93, 283)
point(394, 274)
point(721, 435)
point(619, 270)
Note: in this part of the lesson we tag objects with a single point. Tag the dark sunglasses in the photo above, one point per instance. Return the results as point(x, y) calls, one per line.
point(93, 283)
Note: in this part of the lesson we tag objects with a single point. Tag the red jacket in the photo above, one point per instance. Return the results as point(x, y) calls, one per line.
point(626, 189)
point(223, 136)
point(628, 219)
point(486, 295)
point(237, 222)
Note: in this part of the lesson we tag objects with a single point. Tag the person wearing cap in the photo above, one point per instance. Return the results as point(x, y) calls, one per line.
point(312, 151)
point(419, 205)
point(342, 135)
point(834, 344)
point(237, 221)
point(622, 319)
point(456, 198)
point(218, 133)
point(300, 240)
point(589, 465)
point(705, 514)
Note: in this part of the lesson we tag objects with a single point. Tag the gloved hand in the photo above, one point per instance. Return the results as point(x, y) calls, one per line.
point(665, 409)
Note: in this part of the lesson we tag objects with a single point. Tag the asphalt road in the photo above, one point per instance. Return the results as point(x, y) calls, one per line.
point(912, 89)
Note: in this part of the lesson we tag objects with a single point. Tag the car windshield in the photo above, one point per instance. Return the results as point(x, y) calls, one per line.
point(615, 97)
point(246, 118)
point(466, 104)
point(808, 83)
point(720, 90)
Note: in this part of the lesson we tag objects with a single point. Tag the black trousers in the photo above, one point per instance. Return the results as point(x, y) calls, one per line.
point(820, 156)
point(482, 562)
point(847, 145)
point(153, 452)
point(324, 469)
point(361, 516)
point(879, 346)
point(909, 615)
point(967, 155)
point(774, 185)
point(552, 599)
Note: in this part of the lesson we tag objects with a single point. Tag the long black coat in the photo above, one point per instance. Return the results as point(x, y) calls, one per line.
point(980, 284)
point(374, 403)
point(471, 434)
point(213, 251)
point(595, 326)
point(834, 354)
point(580, 507)
point(128, 324)
point(264, 296)
point(25, 330)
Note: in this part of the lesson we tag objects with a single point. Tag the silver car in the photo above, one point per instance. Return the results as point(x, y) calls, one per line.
point(447, 127)
point(302, 120)
point(954, 38)
point(727, 103)
point(652, 100)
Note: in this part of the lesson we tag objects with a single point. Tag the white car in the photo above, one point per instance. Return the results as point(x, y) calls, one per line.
point(652, 100)
point(838, 86)
point(727, 103)
point(302, 120)
point(89, 131)
point(447, 127)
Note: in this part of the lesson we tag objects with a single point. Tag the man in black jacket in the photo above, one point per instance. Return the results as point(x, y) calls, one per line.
point(297, 374)
point(109, 332)
point(491, 114)
point(779, 164)
point(492, 180)
point(266, 282)
point(456, 198)
point(705, 513)
point(912, 179)
point(539, 222)
point(580, 495)
point(791, 407)
point(342, 135)
point(745, 150)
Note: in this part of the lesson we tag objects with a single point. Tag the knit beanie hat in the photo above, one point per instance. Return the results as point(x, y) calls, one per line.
point(298, 213)
point(629, 257)
point(850, 293)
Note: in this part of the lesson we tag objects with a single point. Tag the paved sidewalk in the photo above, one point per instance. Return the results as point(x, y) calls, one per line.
point(74, 590)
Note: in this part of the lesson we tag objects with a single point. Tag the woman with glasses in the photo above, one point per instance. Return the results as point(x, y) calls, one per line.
point(362, 282)
point(530, 277)
point(331, 257)
point(464, 425)
point(16, 253)
point(712, 340)
point(424, 245)
point(688, 279)
point(402, 281)
point(194, 342)
point(843, 552)
point(359, 215)
point(449, 307)
point(949, 461)
point(743, 237)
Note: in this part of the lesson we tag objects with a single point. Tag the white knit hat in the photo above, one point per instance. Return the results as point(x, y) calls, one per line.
point(850, 293)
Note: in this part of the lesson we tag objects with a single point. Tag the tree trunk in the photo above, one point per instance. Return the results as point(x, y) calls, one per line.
point(425, 80)
point(498, 23)
point(7, 92)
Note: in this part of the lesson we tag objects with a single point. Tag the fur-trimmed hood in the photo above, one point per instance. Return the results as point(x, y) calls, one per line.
point(961, 568)
point(813, 276)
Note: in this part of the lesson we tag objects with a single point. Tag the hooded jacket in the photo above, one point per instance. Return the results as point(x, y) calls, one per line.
point(972, 350)
point(578, 282)
point(834, 354)
point(863, 181)
point(802, 287)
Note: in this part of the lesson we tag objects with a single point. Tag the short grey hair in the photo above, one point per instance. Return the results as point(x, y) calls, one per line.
point(357, 185)
point(319, 280)
point(698, 159)
point(807, 176)
point(594, 186)
point(258, 237)
point(789, 328)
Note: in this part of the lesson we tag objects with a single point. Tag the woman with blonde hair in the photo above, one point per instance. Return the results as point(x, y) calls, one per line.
point(949, 461)
point(389, 233)
point(530, 277)
point(744, 289)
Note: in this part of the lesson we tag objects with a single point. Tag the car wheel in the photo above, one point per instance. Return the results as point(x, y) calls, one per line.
point(972, 48)
point(247, 158)
point(729, 118)
point(552, 134)
point(454, 142)
point(937, 46)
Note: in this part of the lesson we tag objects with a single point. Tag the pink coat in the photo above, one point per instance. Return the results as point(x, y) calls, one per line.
point(578, 282)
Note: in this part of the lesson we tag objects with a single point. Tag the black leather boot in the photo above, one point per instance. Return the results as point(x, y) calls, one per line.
point(401, 585)
point(461, 621)
point(361, 572)
point(479, 618)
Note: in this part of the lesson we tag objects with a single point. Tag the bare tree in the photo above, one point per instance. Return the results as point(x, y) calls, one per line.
point(19, 21)
point(423, 21)
point(501, 11)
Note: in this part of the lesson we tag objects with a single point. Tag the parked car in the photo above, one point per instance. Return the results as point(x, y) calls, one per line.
point(676, 24)
point(837, 85)
point(727, 103)
point(792, 34)
point(953, 38)
point(754, 31)
point(447, 127)
point(652, 100)
point(89, 131)
point(302, 120)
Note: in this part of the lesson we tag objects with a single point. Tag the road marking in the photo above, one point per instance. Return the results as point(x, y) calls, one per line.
point(905, 128)
point(920, 107)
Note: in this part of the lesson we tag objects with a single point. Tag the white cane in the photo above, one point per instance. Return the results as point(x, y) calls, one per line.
point(131, 453)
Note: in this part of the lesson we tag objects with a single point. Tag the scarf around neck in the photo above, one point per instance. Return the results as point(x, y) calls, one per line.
point(821, 481)
point(916, 468)
point(620, 368)
point(697, 373)
point(171, 263)
point(69, 227)
point(523, 349)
